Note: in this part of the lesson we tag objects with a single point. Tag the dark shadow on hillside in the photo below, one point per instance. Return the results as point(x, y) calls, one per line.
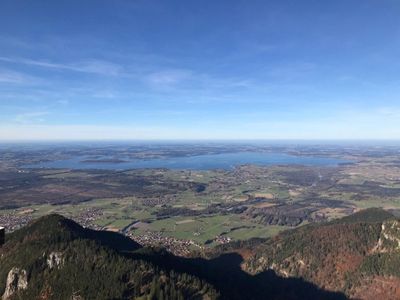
point(110, 239)
point(113, 240)
point(225, 274)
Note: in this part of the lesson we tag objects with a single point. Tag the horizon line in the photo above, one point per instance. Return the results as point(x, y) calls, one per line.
point(198, 140)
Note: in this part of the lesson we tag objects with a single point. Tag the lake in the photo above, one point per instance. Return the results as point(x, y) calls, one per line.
point(201, 162)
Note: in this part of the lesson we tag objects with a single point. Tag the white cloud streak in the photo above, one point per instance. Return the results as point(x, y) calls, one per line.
point(93, 66)
point(30, 117)
point(12, 77)
point(168, 77)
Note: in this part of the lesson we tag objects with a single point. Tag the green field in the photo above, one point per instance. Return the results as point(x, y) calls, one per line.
point(201, 229)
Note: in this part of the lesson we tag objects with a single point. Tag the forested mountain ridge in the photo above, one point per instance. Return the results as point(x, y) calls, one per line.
point(55, 258)
point(358, 255)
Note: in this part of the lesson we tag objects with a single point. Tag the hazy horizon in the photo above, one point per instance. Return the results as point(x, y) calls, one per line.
point(272, 142)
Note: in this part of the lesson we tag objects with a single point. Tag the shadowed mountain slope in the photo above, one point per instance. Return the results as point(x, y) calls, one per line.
point(55, 258)
point(349, 255)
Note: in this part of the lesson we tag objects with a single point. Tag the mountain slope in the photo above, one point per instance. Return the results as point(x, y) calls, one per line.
point(350, 255)
point(55, 258)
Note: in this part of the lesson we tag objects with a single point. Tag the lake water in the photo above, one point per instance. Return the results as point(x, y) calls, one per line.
point(201, 162)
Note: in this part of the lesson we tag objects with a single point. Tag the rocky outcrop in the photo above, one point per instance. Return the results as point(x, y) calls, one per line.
point(55, 260)
point(76, 296)
point(389, 239)
point(17, 280)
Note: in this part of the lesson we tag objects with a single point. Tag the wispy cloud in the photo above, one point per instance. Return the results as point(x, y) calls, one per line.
point(63, 102)
point(99, 67)
point(9, 76)
point(391, 112)
point(30, 117)
point(168, 77)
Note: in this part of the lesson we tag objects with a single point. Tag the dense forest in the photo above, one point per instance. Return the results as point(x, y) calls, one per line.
point(341, 255)
point(64, 260)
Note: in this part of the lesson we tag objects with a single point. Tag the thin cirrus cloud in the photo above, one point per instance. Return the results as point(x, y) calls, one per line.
point(30, 117)
point(89, 66)
point(13, 77)
point(168, 77)
point(391, 112)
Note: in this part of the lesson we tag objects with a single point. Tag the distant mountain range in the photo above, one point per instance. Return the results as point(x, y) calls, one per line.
point(354, 257)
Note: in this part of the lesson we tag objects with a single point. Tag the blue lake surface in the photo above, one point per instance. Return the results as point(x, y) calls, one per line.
point(201, 162)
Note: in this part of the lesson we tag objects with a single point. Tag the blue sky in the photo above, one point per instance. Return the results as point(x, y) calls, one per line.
point(199, 69)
